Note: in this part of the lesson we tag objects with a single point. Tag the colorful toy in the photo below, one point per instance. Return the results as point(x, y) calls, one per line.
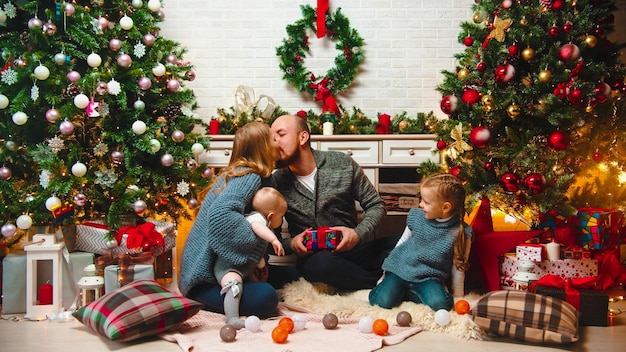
point(287, 323)
point(252, 323)
point(442, 317)
point(365, 325)
point(380, 327)
point(280, 334)
point(461, 307)
point(330, 321)
point(228, 333)
point(404, 318)
point(321, 238)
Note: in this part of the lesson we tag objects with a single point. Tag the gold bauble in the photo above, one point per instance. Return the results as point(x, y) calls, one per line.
point(528, 53)
point(352, 127)
point(403, 125)
point(542, 105)
point(591, 41)
point(558, 170)
point(589, 108)
point(545, 76)
point(477, 18)
point(487, 100)
point(584, 130)
point(221, 119)
point(513, 110)
point(462, 74)
point(523, 21)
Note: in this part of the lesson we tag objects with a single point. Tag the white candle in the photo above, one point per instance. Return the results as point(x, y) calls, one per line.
point(327, 128)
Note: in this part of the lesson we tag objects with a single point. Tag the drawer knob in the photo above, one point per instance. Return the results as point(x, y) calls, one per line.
point(226, 152)
point(349, 152)
point(411, 152)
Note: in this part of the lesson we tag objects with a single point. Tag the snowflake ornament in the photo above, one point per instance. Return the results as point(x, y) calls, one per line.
point(44, 178)
point(34, 92)
point(9, 77)
point(10, 10)
point(100, 149)
point(106, 177)
point(185, 108)
point(182, 188)
point(140, 50)
point(114, 87)
point(97, 28)
point(56, 144)
point(104, 109)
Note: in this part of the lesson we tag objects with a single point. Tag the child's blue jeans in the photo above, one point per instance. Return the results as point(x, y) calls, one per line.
point(393, 290)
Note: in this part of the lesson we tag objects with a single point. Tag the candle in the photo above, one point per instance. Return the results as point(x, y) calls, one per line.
point(214, 126)
point(45, 294)
point(327, 128)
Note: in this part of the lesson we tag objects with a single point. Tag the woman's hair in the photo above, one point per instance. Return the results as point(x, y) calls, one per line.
point(252, 152)
point(450, 189)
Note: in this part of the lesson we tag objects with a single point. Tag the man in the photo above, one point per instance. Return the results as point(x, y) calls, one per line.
point(321, 188)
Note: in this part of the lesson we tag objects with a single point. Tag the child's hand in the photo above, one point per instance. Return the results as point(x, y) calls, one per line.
point(278, 248)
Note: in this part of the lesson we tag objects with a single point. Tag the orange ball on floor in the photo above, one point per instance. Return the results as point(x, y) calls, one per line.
point(461, 307)
point(380, 327)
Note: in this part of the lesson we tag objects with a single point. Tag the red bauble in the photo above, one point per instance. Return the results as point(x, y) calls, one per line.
point(509, 183)
point(449, 104)
point(603, 89)
point(488, 166)
point(554, 31)
point(481, 66)
point(576, 97)
point(470, 96)
point(441, 144)
point(558, 140)
point(557, 5)
point(456, 171)
point(567, 27)
point(514, 50)
point(479, 137)
point(468, 41)
point(597, 156)
point(535, 182)
point(569, 52)
point(504, 73)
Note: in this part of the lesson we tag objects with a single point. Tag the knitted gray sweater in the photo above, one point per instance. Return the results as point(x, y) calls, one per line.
point(428, 252)
point(220, 229)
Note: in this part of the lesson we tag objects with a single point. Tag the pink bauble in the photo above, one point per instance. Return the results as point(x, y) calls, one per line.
point(148, 39)
point(124, 60)
point(193, 203)
point(192, 164)
point(208, 172)
point(509, 182)
point(80, 199)
point(5, 173)
point(173, 85)
point(66, 128)
point(167, 160)
point(504, 73)
point(558, 140)
point(69, 9)
point(73, 76)
point(101, 88)
point(507, 4)
point(449, 104)
point(144, 83)
point(49, 28)
point(178, 136)
point(115, 44)
point(470, 96)
point(8, 230)
point(479, 137)
point(104, 23)
point(34, 23)
point(172, 59)
point(190, 75)
point(117, 156)
point(569, 52)
point(52, 115)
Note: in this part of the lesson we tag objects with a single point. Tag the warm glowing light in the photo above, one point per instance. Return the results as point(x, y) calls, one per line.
point(603, 167)
point(622, 177)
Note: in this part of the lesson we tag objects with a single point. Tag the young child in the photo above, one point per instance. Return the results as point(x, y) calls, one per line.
point(419, 266)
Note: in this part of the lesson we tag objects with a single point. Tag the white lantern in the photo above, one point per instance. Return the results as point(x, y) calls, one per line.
point(42, 303)
point(524, 275)
point(90, 285)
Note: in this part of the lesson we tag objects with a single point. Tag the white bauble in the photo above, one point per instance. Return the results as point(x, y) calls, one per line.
point(155, 145)
point(126, 22)
point(252, 323)
point(19, 118)
point(52, 202)
point(42, 72)
point(59, 58)
point(3, 17)
point(442, 317)
point(24, 222)
point(299, 322)
point(158, 70)
point(197, 149)
point(366, 325)
point(79, 169)
point(139, 127)
point(137, 4)
point(94, 60)
point(4, 101)
point(154, 5)
point(81, 101)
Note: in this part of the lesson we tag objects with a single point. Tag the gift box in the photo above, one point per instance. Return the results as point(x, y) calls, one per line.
point(156, 236)
point(528, 251)
point(593, 304)
point(565, 268)
point(116, 276)
point(575, 253)
point(598, 228)
point(322, 238)
point(14, 278)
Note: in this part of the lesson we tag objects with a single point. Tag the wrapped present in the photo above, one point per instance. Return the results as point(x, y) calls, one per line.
point(592, 304)
point(575, 253)
point(507, 283)
point(530, 251)
point(14, 278)
point(565, 268)
point(321, 238)
point(151, 236)
point(116, 276)
point(598, 228)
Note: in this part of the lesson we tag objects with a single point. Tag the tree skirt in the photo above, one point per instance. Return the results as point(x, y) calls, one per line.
point(356, 305)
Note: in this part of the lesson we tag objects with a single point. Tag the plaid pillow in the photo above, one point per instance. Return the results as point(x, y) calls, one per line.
point(527, 316)
point(141, 308)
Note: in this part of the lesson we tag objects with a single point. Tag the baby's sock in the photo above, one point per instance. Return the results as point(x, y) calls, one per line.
point(232, 294)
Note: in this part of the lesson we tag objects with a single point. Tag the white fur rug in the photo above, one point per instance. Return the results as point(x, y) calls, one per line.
point(317, 299)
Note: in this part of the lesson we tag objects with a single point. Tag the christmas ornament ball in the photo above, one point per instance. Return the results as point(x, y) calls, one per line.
point(456, 171)
point(139, 207)
point(470, 96)
point(173, 85)
point(35, 23)
point(66, 128)
point(155, 145)
point(94, 60)
point(535, 182)
point(208, 172)
point(197, 149)
point(10, 145)
point(73, 76)
point(41, 72)
point(59, 58)
point(468, 41)
point(513, 110)
point(449, 104)
point(598, 157)
point(139, 105)
point(111, 243)
point(193, 203)
point(167, 160)
point(480, 137)
point(81, 101)
point(380, 327)
point(24, 222)
point(5, 173)
point(462, 73)
point(117, 156)
point(404, 318)
point(591, 41)
point(192, 164)
point(509, 182)
point(504, 73)
point(19, 118)
point(403, 125)
point(252, 323)
point(8, 230)
point(441, 144)
point(528, 53)
point(178, 136)
point(569, 52)
point(190, 75)
point(159, 70)
point(365, 325)
point(124, 60)
point(126, 23)
point(139, 127)
point(148, 39)
point(544, 76)
point(558, 140)
point(80, 199)
point(79, 169)
point(461, 307)
point(442, 317)
point(154, 5)
point(137, 4)
point(330, 321)
point(228, 333)
point(115, 44)
point(69, 9)
point(144, 83)
point(4, 101)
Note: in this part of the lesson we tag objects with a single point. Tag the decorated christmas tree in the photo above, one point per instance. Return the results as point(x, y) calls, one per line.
point(96, 121)
point(536, 108)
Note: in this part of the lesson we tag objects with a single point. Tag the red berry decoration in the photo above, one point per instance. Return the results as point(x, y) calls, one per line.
point(468, 41)
point(470, 96)
point(449, 104)
point(479, 137)
point(509, 183)
point(597, 156)
point(558, 140)
point(504, 73)
point(441, 144)
point(535, 182)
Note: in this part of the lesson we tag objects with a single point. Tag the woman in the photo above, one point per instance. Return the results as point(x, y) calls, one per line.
point(221, 230)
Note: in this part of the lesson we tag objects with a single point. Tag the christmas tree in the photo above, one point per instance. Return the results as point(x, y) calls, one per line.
point(536, 108)
point(96, 120)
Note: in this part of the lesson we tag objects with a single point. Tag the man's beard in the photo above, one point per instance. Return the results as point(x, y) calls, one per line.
point(290, 159)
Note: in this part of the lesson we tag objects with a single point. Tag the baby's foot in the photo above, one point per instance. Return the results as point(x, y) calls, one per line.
point(236, 322)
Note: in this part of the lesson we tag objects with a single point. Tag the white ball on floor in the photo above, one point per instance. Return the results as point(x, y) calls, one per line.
point(253, 323)
point(299, 322)
point(365, 325)
point(442, 317)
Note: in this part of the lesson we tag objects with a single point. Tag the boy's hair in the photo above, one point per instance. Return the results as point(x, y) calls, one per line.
point(268, 199)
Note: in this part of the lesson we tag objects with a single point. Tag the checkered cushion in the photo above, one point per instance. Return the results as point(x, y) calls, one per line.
point(141, 308)
point(527, 316)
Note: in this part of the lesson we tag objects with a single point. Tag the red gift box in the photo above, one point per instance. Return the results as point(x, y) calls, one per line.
point(321, 238)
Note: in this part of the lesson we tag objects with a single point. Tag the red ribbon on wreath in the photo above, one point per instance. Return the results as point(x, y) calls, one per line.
point(143, 235)
point(322, 92)
point(322, 8)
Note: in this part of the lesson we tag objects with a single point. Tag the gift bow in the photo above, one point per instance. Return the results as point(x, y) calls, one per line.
point(322, 8)
point(143, 236)
point(244, 102)
point(322, 92)
point(571, 286)
point(323, 238)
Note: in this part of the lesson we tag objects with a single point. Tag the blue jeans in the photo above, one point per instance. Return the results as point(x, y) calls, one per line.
point(393, 290)
point(258, 298)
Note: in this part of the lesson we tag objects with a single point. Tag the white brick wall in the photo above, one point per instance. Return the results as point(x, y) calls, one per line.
point(233, 42)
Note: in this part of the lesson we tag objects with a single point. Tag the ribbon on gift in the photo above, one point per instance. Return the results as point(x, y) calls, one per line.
point(125, 265)
point(143, 236)
point(322, 8)
point(322, 92)
point(323, 238)
point(570, 286)
point(384, 121)
point(610, 271)
point(245, 102)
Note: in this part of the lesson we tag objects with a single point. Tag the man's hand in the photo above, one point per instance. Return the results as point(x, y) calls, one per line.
point(349, 238)
point(297, 245)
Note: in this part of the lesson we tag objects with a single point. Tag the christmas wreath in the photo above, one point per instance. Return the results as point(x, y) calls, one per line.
point(293, 52)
